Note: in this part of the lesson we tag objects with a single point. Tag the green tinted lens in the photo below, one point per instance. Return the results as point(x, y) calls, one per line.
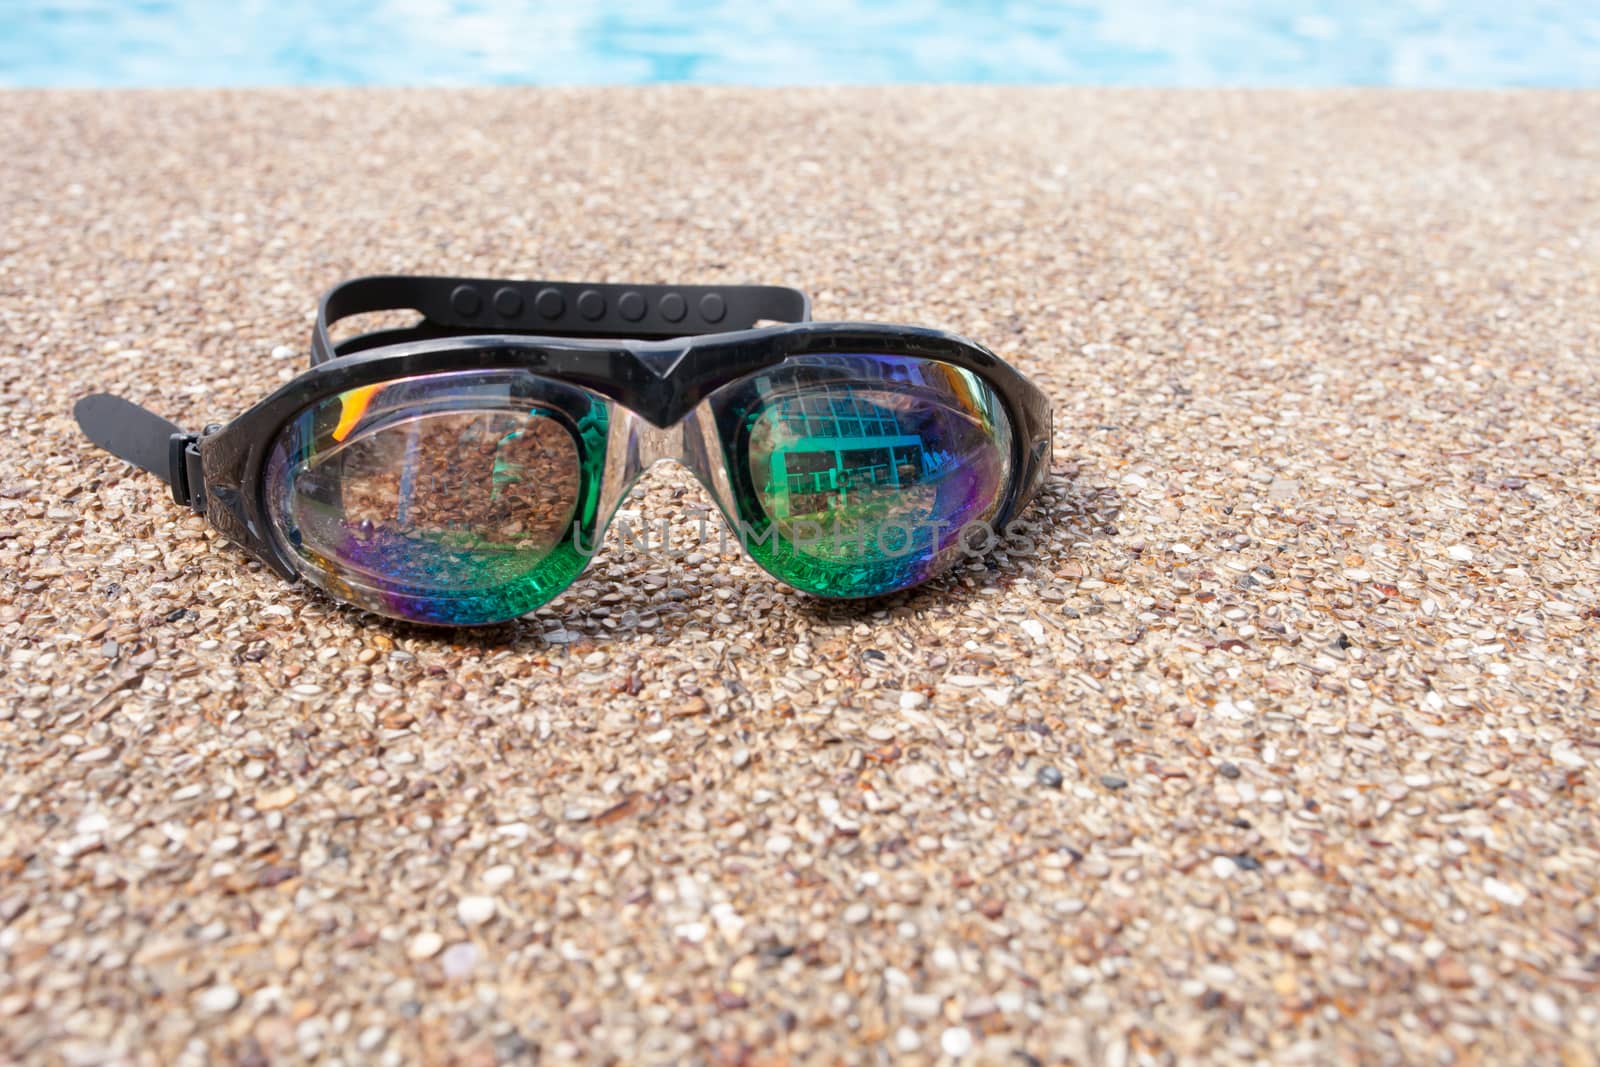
point(865, 473)
point(451, 498)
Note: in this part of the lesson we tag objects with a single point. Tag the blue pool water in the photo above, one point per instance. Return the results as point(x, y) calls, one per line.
point(1469, 43)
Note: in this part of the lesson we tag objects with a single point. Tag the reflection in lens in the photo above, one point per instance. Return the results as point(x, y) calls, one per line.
point(423, 499)
point(867, 469)
point(448, 498)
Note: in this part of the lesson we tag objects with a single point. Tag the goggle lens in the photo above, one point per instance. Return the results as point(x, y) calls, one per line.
point(865, 474)
point(445, 498)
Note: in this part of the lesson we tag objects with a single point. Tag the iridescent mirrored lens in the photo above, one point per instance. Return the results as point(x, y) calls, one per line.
point(451, 498)
point(866, 474)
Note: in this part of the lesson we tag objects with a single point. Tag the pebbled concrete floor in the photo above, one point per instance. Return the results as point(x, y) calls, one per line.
point(1281, 744)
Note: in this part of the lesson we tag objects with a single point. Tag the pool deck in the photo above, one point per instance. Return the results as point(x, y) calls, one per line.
point(1281, 744)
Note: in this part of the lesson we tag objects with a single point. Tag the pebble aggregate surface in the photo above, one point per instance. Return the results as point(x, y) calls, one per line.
point(1279, 742)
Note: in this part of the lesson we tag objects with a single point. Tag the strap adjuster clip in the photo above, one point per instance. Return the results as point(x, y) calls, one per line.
point(184, 472)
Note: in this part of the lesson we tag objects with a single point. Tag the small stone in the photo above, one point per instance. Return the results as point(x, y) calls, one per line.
point(1459, 552)
point(275, 874)
point(425, 945)
point(998, 695)
point(1097, 866)
point(218, 999)
point(1228, 770)
point(499, 876)
point(1561, 752)
point(459, 960)
point(1113, 781)
point(1510, 895)
point(274, 799)
point(956, 1041)
point(857, 913)
point(778, 844)
point(371, 1038)
point(1307, 942)
point(1049, 777)
point(690, 707)
point(979, 1008)
point(1223, 867)
point(512, 1047)
point(79, 845)
point(907, 1040)
point(93, 823)
point(1545, 1009)
point(910, 700)
point(1451, 972)
point(476, 910)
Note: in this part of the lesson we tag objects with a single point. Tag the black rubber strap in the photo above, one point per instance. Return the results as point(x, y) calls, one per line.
point(456, 307)
point(145, 439)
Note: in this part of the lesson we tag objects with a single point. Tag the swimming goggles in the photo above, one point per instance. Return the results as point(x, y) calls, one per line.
point(463, 469)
